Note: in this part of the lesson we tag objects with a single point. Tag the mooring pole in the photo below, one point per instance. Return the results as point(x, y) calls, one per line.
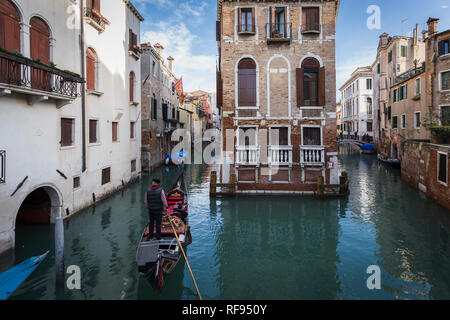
point(59, 249)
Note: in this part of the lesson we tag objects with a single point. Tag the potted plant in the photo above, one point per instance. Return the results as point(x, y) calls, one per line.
point(276, 33)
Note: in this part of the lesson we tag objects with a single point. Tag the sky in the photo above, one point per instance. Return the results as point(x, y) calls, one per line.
point(186, 29)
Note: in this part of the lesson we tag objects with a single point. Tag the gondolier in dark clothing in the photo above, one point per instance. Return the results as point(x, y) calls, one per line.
point(156, 203)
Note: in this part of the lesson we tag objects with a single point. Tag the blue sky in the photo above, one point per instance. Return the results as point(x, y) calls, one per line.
point(186, 28)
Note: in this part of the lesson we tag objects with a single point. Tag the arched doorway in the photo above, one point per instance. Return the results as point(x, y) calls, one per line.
point(40, 207)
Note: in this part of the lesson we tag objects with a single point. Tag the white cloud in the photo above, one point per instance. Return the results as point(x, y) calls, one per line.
point(198, 71)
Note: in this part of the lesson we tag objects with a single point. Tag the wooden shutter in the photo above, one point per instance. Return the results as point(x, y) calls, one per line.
point(239, 28)
point(92, 131)
point(441, 47)
point(284, 136)
point(106, 175)
point(89, 4)
point(321, 86)
point(66, 132)
point(300, 75)
point(96, 5)
point(114, 131)
point(253, 20)
point(131, 130)
point(90, 69)
point(135, 39)
point(131, 87)
point(130, 38)
point(218, 31)
point(39, 40)
point(9, 26)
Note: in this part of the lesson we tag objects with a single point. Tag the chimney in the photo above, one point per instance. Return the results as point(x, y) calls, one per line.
point(170, 59)
point(432, 26)
point(384, 39)
point(159, 48)
point(416, 35)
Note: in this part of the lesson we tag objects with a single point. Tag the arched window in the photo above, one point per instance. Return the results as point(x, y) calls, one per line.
point(39, 40)
point(132, 79)
point(91, 66)
point(311, 83)
point(9, 26)
point(247, 83)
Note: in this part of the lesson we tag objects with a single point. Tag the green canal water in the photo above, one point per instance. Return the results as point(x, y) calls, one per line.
point(259, 247)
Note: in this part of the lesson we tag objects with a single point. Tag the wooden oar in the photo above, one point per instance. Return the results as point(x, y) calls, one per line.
point(184, 254)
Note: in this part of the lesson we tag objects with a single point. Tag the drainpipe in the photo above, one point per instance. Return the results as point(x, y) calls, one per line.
point(83, 88)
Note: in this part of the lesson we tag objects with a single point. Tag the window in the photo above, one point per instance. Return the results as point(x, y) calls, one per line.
point(369, 84)
point(132, 86)
point(311, 136)
point(76, 182)
point(93, 4)
point(164, 111)
point(369, 106)
point(9, 26)
point(444, 47)
point(283, 136)
point(115, 127)
point(445, 80)
point(418, 87)
point(278, 22)
point(91, 69)
point(417, 120)
point(369, 127)
point(133, 165)
point(445, 116)
point(403, 121)
point(404, 51)
point(389, 113)
point(67, 132)
point(132, 130)
point(378, 68)
point(442, 167)
point(247, 137)
point(311, 19)
point(106, 176)
point(395, 95)
point(247, 83)
point(40, 50)
point(394, 122)
point(93, 131)
point(154, 108)
point(390, 56)
point(310, 84)
point(133, 41)
point(2, 166)
point(246, 21)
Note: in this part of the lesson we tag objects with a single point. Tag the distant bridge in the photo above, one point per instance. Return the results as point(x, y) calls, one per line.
point(350, 141)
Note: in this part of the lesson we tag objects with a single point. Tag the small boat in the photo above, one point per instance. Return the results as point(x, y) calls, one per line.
point(156, 259)
point(393, 162)
point(10, 280)
point(176, 159)
point(368, 149)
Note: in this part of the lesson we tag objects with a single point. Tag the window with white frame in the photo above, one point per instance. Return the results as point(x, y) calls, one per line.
point(417, 121)
point(369, 84)
point(445, 80)
point(312, 136)
point(442, 167)
point(247, 136)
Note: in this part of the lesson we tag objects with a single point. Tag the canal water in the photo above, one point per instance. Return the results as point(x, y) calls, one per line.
point(259, 247)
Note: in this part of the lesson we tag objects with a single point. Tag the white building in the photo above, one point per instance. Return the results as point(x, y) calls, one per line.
point(66, 144)
point(357, 103)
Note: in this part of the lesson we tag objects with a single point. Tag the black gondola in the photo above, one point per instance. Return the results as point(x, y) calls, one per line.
point(393, 162)
point(156, 259)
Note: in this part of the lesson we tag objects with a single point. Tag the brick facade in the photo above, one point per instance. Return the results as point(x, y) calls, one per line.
point(276, 69)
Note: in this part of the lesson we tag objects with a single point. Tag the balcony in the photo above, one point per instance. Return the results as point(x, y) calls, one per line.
point(38, 81)
point(95, 19)
point(314, 28)
point(312, 155)
point(135, 51)
point(247, 155)
point(280, 156)
point(278, 32)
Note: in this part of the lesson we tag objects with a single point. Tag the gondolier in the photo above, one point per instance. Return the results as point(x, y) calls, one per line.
point(156, 203)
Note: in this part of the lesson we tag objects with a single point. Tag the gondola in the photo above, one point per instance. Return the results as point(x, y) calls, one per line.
point(156, 259)
point(393, 162)
point(10, 280)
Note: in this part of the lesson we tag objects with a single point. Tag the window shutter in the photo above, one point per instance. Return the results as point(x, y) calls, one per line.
point(239, 20)
point(92, 131)
point(304, 16)
point(130, 38)
point(135, 39)
point(114, 131)
point(300, 100)
point(89, 4)
point(90, 70)
point(253, 20)
point(441, 47)
point(322, 86)
point(131, 87)
point(96, 5)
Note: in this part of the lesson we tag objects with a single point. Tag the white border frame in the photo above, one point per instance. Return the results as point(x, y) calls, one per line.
point(312, 126)
point(440, 81)
point(440, 112)
point(446, 164)
point(300, 35)
point(236, 21)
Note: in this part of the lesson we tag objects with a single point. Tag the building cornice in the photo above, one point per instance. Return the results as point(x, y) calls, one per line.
point(134, 10)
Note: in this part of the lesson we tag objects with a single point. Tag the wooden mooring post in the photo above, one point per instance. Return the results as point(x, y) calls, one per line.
point(226, 189)
point(333, 190)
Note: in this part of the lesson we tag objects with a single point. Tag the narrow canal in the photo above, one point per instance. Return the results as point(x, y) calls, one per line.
point(260, 247)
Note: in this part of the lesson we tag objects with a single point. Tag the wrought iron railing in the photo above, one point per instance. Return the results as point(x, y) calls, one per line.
point(410, 74)
point(95, 16)
point(23, 72)
point(311, 27)
point(279, 31)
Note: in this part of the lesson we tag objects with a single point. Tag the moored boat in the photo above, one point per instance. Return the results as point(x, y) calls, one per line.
point(393, 162)
point(156, 259)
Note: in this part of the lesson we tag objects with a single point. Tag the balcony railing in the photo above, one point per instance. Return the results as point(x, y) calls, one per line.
point(311, 28)
point(247, 155)
point(280, 155)
point(279, 32)
point(22, 72)
point(97, 18)
point(312, 155)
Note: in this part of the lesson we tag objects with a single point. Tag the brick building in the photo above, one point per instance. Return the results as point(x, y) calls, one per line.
point(276, 85)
